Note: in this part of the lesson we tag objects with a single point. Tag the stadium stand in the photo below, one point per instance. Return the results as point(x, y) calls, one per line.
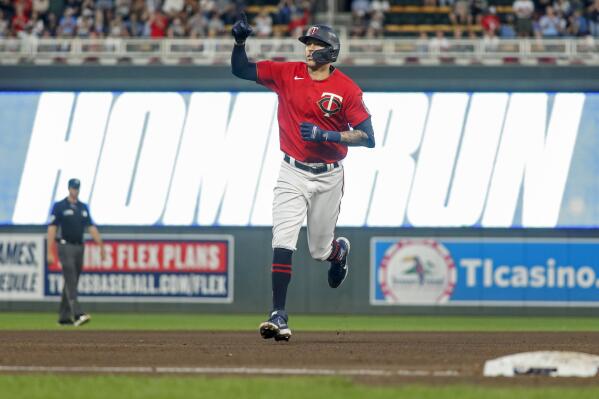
point(376, 31)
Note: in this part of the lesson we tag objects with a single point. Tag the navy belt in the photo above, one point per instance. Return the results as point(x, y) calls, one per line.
point(312, 169)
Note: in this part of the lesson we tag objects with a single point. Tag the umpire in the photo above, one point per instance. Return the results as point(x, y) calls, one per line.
point(67, 223)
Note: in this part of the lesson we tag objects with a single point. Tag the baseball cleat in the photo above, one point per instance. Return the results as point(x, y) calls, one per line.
point(276, 326)
point(339, 267)
point(82, 319)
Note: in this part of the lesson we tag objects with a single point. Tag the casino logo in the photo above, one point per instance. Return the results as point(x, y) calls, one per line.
point(419, 272)
point(330, 103)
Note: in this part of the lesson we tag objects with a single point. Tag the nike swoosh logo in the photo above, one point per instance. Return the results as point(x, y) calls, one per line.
point(297, 78)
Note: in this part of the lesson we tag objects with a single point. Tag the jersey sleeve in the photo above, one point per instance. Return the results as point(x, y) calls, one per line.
point(55, 216)
point(87, 220)
point(355, 109)
point(270, 74)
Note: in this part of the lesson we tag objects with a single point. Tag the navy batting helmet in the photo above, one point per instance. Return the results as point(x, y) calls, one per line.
point(326, 35)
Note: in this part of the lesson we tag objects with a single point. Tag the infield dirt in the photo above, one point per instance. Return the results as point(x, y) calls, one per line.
point(462, 353)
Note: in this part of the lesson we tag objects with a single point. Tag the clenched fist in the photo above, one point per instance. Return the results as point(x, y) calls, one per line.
point(241, 29)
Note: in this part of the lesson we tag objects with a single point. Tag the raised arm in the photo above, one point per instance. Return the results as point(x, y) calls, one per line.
point(240, 66)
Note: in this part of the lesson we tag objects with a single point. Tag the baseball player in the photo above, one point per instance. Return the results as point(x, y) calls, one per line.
point(318, 105)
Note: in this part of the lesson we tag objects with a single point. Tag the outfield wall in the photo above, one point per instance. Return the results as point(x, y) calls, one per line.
point(533, 251)
point(464, 271)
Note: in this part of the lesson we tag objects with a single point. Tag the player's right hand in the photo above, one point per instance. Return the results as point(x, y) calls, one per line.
point(241, 29)
point(50, 257)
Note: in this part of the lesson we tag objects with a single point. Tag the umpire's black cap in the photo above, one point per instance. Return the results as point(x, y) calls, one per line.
point(74, 183)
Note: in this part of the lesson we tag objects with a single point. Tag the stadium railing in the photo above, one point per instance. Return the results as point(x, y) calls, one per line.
point(387, 51)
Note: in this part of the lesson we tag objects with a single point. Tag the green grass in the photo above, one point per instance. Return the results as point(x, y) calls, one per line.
point(153, 321)
point(87, 387)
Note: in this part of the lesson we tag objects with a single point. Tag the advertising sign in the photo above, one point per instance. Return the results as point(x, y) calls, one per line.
point(462, 159)
point(194, 268)
point(22, 259)
point(535, 272)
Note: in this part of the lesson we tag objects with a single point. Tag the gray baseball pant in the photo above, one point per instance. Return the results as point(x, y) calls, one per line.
point(71, 258)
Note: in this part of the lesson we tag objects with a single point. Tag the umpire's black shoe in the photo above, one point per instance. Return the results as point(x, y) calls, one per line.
point(339, 267)
point(276, 326)
point(66, 323)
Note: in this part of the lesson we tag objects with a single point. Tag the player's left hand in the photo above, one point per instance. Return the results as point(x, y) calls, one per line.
point(311, 132)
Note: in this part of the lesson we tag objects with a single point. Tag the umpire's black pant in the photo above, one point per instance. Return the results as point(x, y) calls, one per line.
point(71, 258)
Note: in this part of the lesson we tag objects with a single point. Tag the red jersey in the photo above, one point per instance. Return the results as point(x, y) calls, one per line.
point(331, 104)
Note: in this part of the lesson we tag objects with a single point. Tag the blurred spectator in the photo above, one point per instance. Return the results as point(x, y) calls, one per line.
point(158, 23)
point(284, 10)
point(123, 8)
point(263, 24)
point(298, 23)
point(215, 26)
point(51, 27)
point(439, 42)
point(3, 24)
point(134, 26)
point(541, 5)
point(523, 9)
point(562, 8)
point(68, 23)
point(477, 9)
point(379, 5)
point(88, 9)
point(138, 7)
point(593, 14)
point(550, 24)
point(230, 15)
point(38, 25)
point(460, 13)
point(172, 7)
point(507, 30)
point(40, 7)
point(99, 27)
point(490, 22)
point(358, 26)
point(117, 28)
point(104, 4)
point(176, 29)
point(376, 25)
point(360, 7)
point(85, 24)
point(429, 3)
point(490, 41)
point(422, 43)
point(7, 9)
point(197, 25)
point(577, 24)
point(20, 19)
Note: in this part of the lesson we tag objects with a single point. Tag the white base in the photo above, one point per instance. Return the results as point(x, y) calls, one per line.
point(549, 363)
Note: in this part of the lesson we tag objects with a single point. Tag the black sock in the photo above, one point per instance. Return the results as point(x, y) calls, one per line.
point(281, 275)
point(334, 251)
